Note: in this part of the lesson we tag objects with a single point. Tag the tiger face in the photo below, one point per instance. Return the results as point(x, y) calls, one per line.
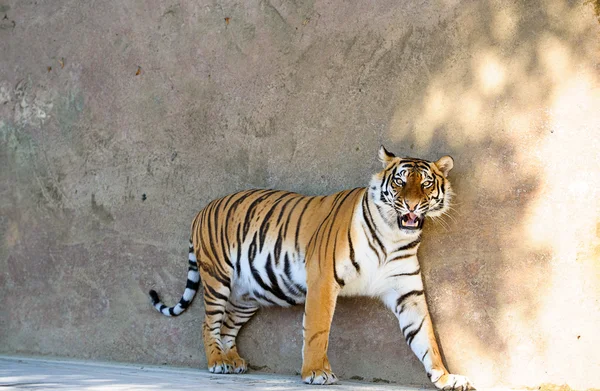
point(408, 190)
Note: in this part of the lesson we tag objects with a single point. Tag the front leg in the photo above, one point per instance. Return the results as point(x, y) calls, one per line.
point(321, 297)
point(410, 307)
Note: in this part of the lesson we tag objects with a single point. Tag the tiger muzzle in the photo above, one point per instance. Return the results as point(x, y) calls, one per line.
point(410, 221)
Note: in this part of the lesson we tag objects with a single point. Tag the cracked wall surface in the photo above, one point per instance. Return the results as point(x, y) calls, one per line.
point(119, 120)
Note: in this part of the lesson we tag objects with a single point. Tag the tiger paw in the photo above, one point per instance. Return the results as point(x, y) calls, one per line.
point(450, 382)
point(319, 376)
point(239, 365)
point(221, 366)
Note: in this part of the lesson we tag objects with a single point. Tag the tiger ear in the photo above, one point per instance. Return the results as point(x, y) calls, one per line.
point(385, 156)
point(445, 164)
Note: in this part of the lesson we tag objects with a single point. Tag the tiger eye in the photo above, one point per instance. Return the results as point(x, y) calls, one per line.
point(399, 182)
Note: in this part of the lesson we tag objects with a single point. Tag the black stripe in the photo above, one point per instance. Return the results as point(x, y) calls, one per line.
point(300, 223)
point(262, 234)
point(277, 248)
point(252, 250)
point(369, 241)
point(183, 303)
point(221, 231)
point(260, 296)
point(340, 282)
point(300, 290)
point(403, 256)
point(237, 203)
point(286, 266)
point(426, 352)
point(408, 246)
point(210, 302)
point(154, 296)
point(238, 266)
point(217, 312)
point(214, 293)
point(264, 227)
point(252, 209)
point(289, 286)
point(438, 206)
point(240, 308)
point(369, 219)
point(338, 207)
point(203, 246)
point(225, 245)
point(248, 316)
point(411, 336)
point(240, 323)
point(289, 215)
point(354, 263)
point(192, 285)
point(406, 327)
point(407, 274)
point(334, 206)
point(241, 313)
point(282, 210)
point(275, 288)
point(407, 295)
point(383, 189)
point(259, 280)
point(423, 166)
point(212, 229)
point(224, 276)
point(214, 273)
point(209, 230)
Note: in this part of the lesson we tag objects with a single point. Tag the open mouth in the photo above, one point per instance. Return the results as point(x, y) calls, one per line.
point(410, 221)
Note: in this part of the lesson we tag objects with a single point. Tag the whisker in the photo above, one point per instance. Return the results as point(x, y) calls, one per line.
point(439, 221)
point(450, 217)
point(446, 224)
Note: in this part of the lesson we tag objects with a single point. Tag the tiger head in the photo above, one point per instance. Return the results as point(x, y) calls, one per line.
point(408, 190)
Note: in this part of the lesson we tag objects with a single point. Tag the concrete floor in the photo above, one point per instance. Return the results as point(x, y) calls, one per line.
point(18, 373)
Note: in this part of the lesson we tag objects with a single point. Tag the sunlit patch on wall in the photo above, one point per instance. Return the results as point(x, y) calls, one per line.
point(555, 57)
point(476, 360)
point(470, 107)
point(491, 73)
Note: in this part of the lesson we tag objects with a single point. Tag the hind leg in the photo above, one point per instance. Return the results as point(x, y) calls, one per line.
point(236, 315)
point(216, 296)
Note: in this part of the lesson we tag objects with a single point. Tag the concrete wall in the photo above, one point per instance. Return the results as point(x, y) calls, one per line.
point(119, 120)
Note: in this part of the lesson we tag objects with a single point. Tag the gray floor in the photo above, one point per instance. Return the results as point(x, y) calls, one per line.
point(35, 374)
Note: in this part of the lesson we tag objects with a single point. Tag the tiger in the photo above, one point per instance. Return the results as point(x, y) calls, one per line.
point(266, 247)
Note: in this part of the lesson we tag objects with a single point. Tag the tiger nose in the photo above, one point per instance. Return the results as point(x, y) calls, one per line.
point(413, 207)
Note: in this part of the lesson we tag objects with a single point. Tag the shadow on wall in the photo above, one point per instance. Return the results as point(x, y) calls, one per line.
point(513, 272)
point(516, 286)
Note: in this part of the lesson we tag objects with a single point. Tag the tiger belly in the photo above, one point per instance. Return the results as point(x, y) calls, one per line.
point(282, 282)
point(268, 281)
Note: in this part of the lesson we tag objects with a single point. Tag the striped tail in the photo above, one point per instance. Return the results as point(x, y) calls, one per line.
point(193, 281)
